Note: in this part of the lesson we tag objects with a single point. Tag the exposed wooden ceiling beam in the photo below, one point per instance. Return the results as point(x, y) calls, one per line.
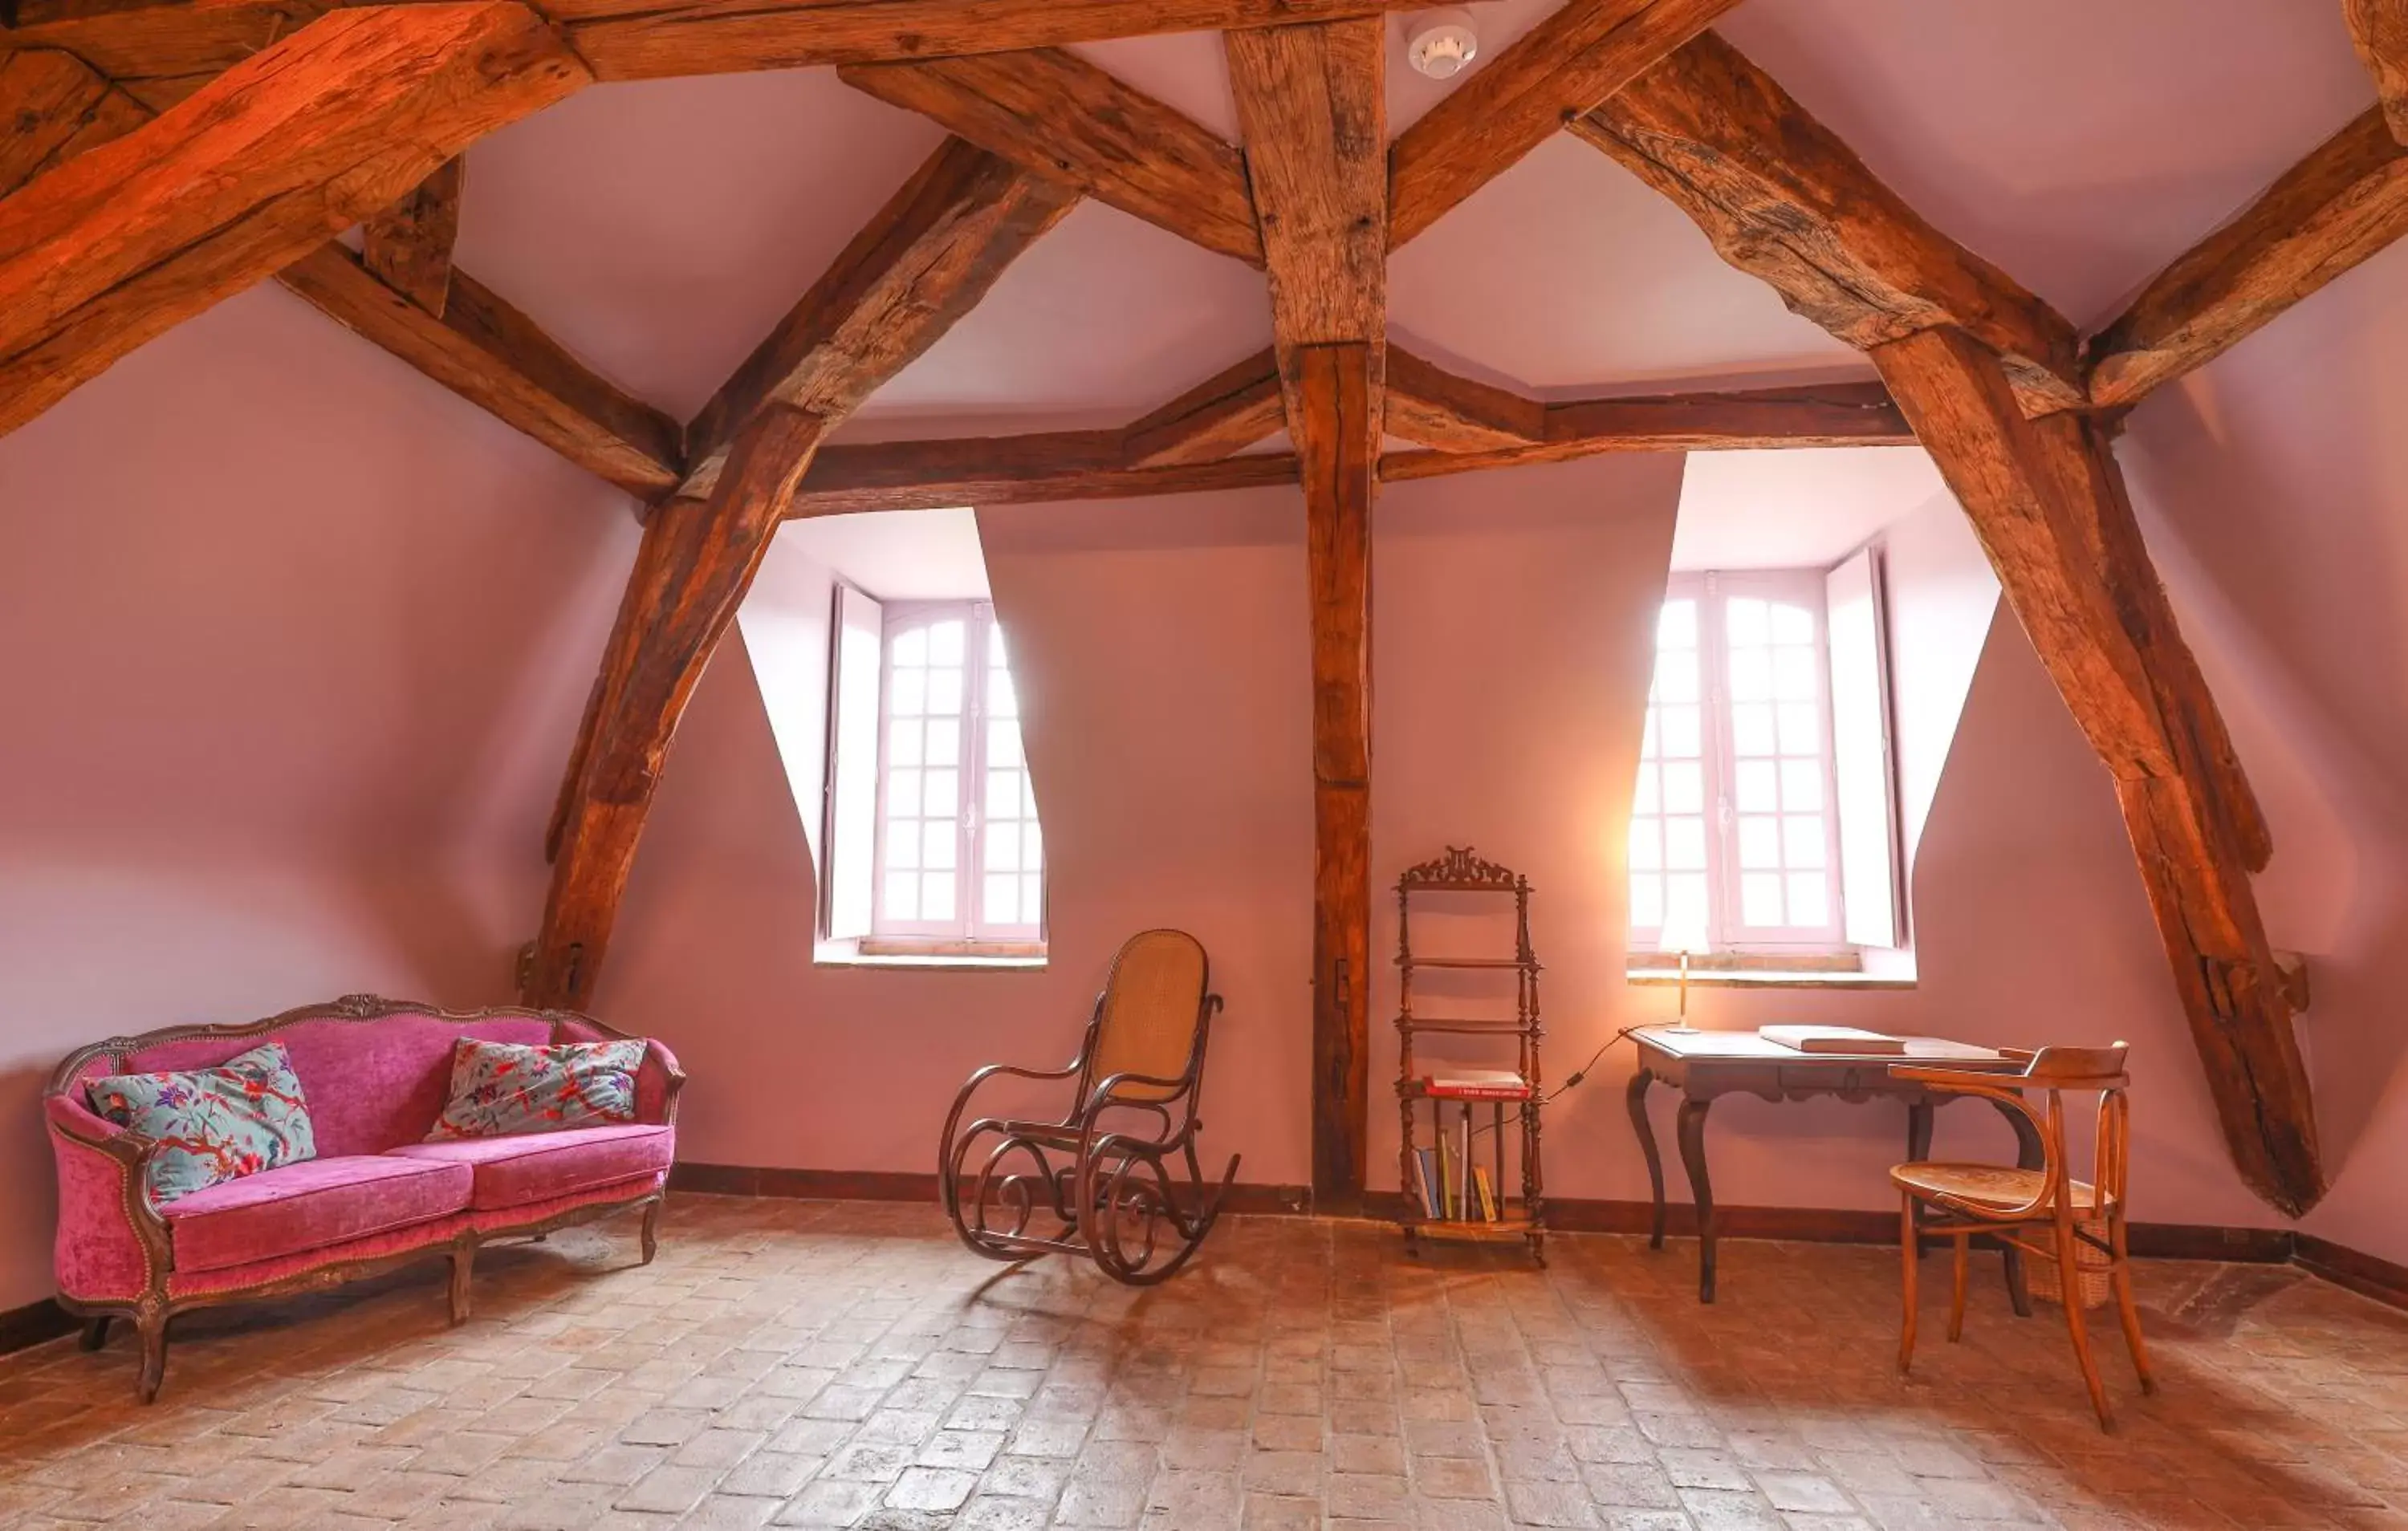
point(2048, 500)
point(1228, 412)
point(126, 240)
point(933, 250)
point(2344, 203)
point(1816, 415)
point(1564, 65)
point(1784, 199)
point(178, 39)
point(1438, 408)
point(408, 246)
point(56, 107)
point(2379, 30)
point(1056, 115)
point(496, 357)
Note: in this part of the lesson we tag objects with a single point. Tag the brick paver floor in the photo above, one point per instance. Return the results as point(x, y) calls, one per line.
point(814, 1363)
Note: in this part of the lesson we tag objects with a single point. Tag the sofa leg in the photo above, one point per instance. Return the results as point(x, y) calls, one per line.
point(95, 1334)
point(652, 1230)
point(151, 1325)
point(463, 1261)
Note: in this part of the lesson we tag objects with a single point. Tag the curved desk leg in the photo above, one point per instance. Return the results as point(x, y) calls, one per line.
point(1646, 1130)
point(2029, 1154)
point(1918, 1148)
point(1701, 1190)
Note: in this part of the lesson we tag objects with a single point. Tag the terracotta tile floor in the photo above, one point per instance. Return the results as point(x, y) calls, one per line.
point(812, 1363)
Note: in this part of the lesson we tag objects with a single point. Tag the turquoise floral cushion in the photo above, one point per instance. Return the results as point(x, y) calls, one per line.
point(500, 1088)
point(243, 1116)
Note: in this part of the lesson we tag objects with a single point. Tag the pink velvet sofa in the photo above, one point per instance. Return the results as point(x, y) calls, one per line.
point(375, 1073)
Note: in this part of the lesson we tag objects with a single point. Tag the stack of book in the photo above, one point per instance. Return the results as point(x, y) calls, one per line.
point(1454, 1189)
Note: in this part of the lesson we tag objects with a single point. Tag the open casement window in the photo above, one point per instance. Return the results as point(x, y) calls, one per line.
point(1733, 831)
point(959, 855)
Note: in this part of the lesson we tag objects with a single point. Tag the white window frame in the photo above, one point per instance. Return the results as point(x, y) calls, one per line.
point(1719, 764)
point(967, 927)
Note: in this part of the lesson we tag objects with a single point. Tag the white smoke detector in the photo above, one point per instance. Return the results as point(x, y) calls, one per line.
point(1441, 42)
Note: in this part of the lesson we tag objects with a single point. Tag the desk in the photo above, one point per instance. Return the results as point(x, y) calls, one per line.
point(1704, 1065)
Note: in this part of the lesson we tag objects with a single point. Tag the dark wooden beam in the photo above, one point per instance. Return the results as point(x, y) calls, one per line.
point(926, 260)
point(496, 357)
point(55, 107)
point(2344, 203)
point(123, 242)
point(408, 247)
point(1784, 199)
point(2048, 501)
point(695, 562)
point(1819, 415)
point(1228, 412)
point(1014, 470)
point(2379, 30)
point(1428, 403)
point(1056, 115)
point(1562, 67)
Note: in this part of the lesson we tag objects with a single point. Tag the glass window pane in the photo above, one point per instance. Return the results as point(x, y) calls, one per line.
point(1793, 673)
point(1676, 676)
point(903, 844)
point(1003, 795)
point(1755, 792)
point(1676, 625)
point(903, 742)
point(1801, 729)
point(1685, 787)
point(907, 698)
point(945, 693)
point(1745, 624)
point(1032, 898)
point(1032, 848)
point(1002, 899)
point(1801, 785)
point(1651, 743)
point(945, 643)
point(1028, 797)
point(1001, 700)
point(1810, 901)
point(1751, 729)
point(944, 741)
point(936, 895)
point(1646, 844)
point(1002, 742)
point(911, 647)
point(940, 842)
point(1759, 844)
point(1685, 844)
point(995, 643)
point(1802, 842)
point(941, 794)
point(903, 793)
point(1750, 675)
point(1646, 800)
point(1792, 623)
point(1002, 846)
point(1679, 733)
point(1684, 891)
point(903, 895)
point(1759, 899)
point(1646, 901)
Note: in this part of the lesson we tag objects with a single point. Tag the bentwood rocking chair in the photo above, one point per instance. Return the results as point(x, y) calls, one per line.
point(1995, 1200)
point(1104, 1168)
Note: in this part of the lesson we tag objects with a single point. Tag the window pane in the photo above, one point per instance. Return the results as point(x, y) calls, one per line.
point(903, 742)
point(1751, 729)
point(1792, 625)
point(1032, 846)
point(1759, 844)
point(944, 741)
point(1759, 899)
point(1684, 891)
point(1003, 795)
point(945, 693)
point(945, 643)
point(1001, 701)
point(1676, 625)
point(1002, 899)
point(994, 644)
point(1676, 676)
point(1801, 785)
point(1646, 901)
point(1801, 729)
point(1745, 624)
point(936, 895)
point(1685, 844)
point(1793, 673)
point(1750, 675)
point(1685, 787)
point(911, 647)
point(903, 895)
point(1002, 848)
point(1651, 741)
point(907, 698)
point(1032, 898)
point(1756, 787)
point(903, 844)
point(1027, 797)
point(1646, 844)
point(1002, 743)
point(1809, 899)
point(940, 841)
point(942, 794)
point(1680, 734)
point(903, 793)
point(1802, 842)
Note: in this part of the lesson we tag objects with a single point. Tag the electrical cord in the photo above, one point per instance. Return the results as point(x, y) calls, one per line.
point(1578, 1074)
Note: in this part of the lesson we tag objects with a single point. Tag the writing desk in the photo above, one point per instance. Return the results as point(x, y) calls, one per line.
point(1706, 1065)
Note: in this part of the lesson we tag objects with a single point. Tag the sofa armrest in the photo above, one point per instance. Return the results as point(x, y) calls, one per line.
point(658, 1083)
point(112, 1245)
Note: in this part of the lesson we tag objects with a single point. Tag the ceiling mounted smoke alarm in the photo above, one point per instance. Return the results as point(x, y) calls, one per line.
point(1441, 42)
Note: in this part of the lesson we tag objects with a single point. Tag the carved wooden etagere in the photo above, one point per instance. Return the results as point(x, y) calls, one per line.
point(1461, 872)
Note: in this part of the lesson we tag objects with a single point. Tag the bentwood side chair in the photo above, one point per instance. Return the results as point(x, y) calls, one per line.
point(1118, 1169)
point(1972, 1198)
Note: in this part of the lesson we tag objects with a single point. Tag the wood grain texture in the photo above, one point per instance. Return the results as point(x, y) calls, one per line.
point(1228, 412)
point(2379, 30)
point(250, 174)
point(141, 42)
point(1560, 68)
point(1055, 114)
point(643, 39)
point(933, 250)
point(1015, 470)
point(697, 560)
point(2048, 501)
point(1818, 415)
point(496, 357)
point(1784, 199)
point(1335, 436)
point(1426, 403)
point(54, 107)
point(408, 246)
point(2346, 201)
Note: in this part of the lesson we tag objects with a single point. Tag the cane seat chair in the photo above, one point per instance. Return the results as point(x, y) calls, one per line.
point(1109, 1169)
point(1971, 1199)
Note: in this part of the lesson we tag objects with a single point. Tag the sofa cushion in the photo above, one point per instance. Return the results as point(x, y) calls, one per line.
point(500, 1088)
point(537, 1167)
point(307, 1206)
point(241, 1117)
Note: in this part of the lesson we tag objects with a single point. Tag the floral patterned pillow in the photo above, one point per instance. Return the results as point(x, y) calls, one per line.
point(243, 1116)
point(500, 1088)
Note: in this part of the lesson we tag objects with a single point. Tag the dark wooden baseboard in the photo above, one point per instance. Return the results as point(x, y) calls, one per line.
point(29, 1326)
point(910, 1185)
point(2368, 1275)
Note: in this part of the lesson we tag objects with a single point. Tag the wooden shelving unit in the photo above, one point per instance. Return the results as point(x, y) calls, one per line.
point(1417, 1094)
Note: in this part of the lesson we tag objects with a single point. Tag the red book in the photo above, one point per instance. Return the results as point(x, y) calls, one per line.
point(1477, 1085)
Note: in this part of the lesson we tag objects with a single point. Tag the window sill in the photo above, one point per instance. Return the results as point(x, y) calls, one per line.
point(934, 956)
point(1763, 977)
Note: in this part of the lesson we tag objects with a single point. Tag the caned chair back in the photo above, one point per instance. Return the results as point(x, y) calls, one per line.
point(1147, 1020)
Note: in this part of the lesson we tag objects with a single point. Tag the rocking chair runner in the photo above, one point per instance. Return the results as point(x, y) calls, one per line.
point(1141, 1068)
